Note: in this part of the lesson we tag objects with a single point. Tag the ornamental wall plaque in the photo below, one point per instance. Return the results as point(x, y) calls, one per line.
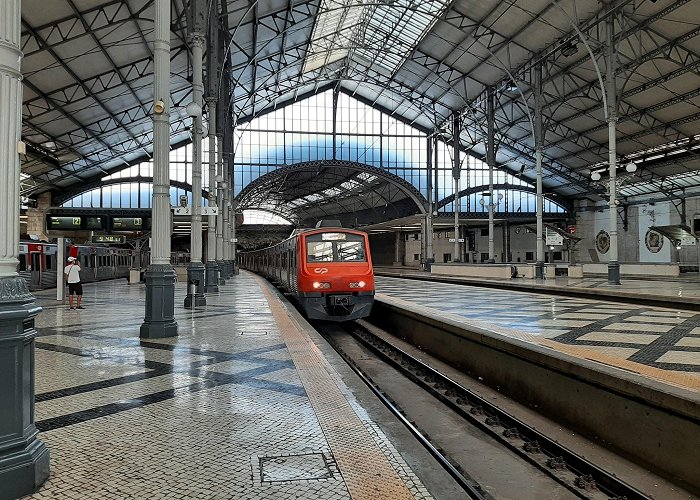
point(602, 242)
point(654, 241)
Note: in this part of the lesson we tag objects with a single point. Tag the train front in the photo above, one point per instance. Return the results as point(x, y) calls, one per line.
point(336, 280)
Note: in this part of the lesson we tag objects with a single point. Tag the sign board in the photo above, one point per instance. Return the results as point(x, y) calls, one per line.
point(108, 238)
point(571, 229)
point(461, 240)
point(688, 241)
point(552, 238)
point(64, 222)
point(187, 211)
point(128, 224)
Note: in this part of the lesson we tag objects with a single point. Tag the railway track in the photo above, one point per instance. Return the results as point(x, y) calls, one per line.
point(569, 470)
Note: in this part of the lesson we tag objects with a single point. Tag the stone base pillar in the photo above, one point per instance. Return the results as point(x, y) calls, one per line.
point(195, 294)
point(222, 272)
point(539, 270)
point(613, 273)
point(160, 302)
point(24, 459)
point(212, 277)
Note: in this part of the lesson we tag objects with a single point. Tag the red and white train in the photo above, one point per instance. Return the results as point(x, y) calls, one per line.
point(38, 265)
point(328, 270)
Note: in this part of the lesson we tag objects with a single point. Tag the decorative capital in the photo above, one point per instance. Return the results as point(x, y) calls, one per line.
point(197, 39)
point(14, 289)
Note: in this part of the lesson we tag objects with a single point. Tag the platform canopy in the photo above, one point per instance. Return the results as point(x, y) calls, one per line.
point(354, 193)
point(88, 70)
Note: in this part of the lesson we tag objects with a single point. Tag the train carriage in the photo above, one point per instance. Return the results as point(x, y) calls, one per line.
point(328, 270)
point(39, 266)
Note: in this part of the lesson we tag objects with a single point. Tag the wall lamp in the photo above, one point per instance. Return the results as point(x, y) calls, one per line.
point(596, 175)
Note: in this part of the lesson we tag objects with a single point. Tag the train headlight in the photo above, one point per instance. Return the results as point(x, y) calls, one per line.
point(357, 284)
point(320, 285)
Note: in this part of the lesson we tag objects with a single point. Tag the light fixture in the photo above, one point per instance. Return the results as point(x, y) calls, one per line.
point(551, 247)
point(194, 110)
point(159, 106)
point(595, 176)
point(631, 167)
point(500, 196)
point(219, 178)
point(481, 202)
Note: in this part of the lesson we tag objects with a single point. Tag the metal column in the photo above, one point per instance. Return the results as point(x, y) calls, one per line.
point(160, 276)
point(222, 206)
point(24, 460)
point(456, 168)
point(613, 264)
point(60, 259)
point(196, 269)
point(429, 234)
point(491, 160)
point(539, 260)
point(212, 268)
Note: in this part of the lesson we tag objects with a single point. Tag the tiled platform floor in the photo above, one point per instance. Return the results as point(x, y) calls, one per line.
point(663, 344)
point(238, 406)
point(685, 287)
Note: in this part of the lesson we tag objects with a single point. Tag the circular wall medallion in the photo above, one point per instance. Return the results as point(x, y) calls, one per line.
point(517, 229)
point(602, 242)
point(654, 241)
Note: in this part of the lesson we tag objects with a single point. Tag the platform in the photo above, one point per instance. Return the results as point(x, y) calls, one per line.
point(683, 292)
point(657, 343)
point(245, 403)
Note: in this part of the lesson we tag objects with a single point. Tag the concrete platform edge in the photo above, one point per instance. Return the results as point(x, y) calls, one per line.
point(654, 424)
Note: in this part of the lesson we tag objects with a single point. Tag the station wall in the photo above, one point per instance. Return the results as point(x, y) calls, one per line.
point(634, 243)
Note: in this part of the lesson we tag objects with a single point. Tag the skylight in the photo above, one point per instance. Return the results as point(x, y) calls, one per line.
point(382, 34)
point(333, 32)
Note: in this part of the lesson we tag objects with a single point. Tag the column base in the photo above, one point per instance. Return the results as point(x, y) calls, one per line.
point(24, 459)
point(212, 277)
point(613, 273)
point(195, 285)
point(539, 270)
point(222, 272)
point(159, 320)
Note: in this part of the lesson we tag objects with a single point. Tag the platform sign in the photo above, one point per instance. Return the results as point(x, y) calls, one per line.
point(108, 238)
point(552, 238)
point(571, 229)
point(94, 223)
point(64, 222)
point(688, 241)
point(461, 240)
point(128, 223)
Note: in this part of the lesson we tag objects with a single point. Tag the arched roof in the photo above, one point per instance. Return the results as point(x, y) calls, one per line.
point(332, 189)
point(88, 71)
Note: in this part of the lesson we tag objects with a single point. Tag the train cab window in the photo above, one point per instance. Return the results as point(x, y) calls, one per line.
point(320, 251)
point(335, 247)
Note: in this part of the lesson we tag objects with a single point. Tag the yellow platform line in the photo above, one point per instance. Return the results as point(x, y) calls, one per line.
point(366, 470)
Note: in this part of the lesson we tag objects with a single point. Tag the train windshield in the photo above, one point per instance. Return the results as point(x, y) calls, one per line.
point(335, 247)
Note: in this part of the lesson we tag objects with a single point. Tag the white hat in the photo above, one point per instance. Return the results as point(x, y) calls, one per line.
point(71, 259)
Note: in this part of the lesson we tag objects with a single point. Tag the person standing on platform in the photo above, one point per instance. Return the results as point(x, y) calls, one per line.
point(72, 274)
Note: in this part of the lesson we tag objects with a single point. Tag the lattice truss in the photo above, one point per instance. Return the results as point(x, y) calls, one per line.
point(88, 72)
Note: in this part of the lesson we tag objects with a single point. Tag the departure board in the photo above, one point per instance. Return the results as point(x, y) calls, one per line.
point(94, 223)
point(129, 223)
point(108, 238)
point(63, 222)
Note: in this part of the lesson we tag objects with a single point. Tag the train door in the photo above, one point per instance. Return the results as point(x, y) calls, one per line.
point(35, 258)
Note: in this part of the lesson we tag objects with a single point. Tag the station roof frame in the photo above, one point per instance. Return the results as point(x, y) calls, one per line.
point(88, 69)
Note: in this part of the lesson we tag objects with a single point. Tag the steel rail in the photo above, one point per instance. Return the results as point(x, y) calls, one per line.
point(545, 453)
